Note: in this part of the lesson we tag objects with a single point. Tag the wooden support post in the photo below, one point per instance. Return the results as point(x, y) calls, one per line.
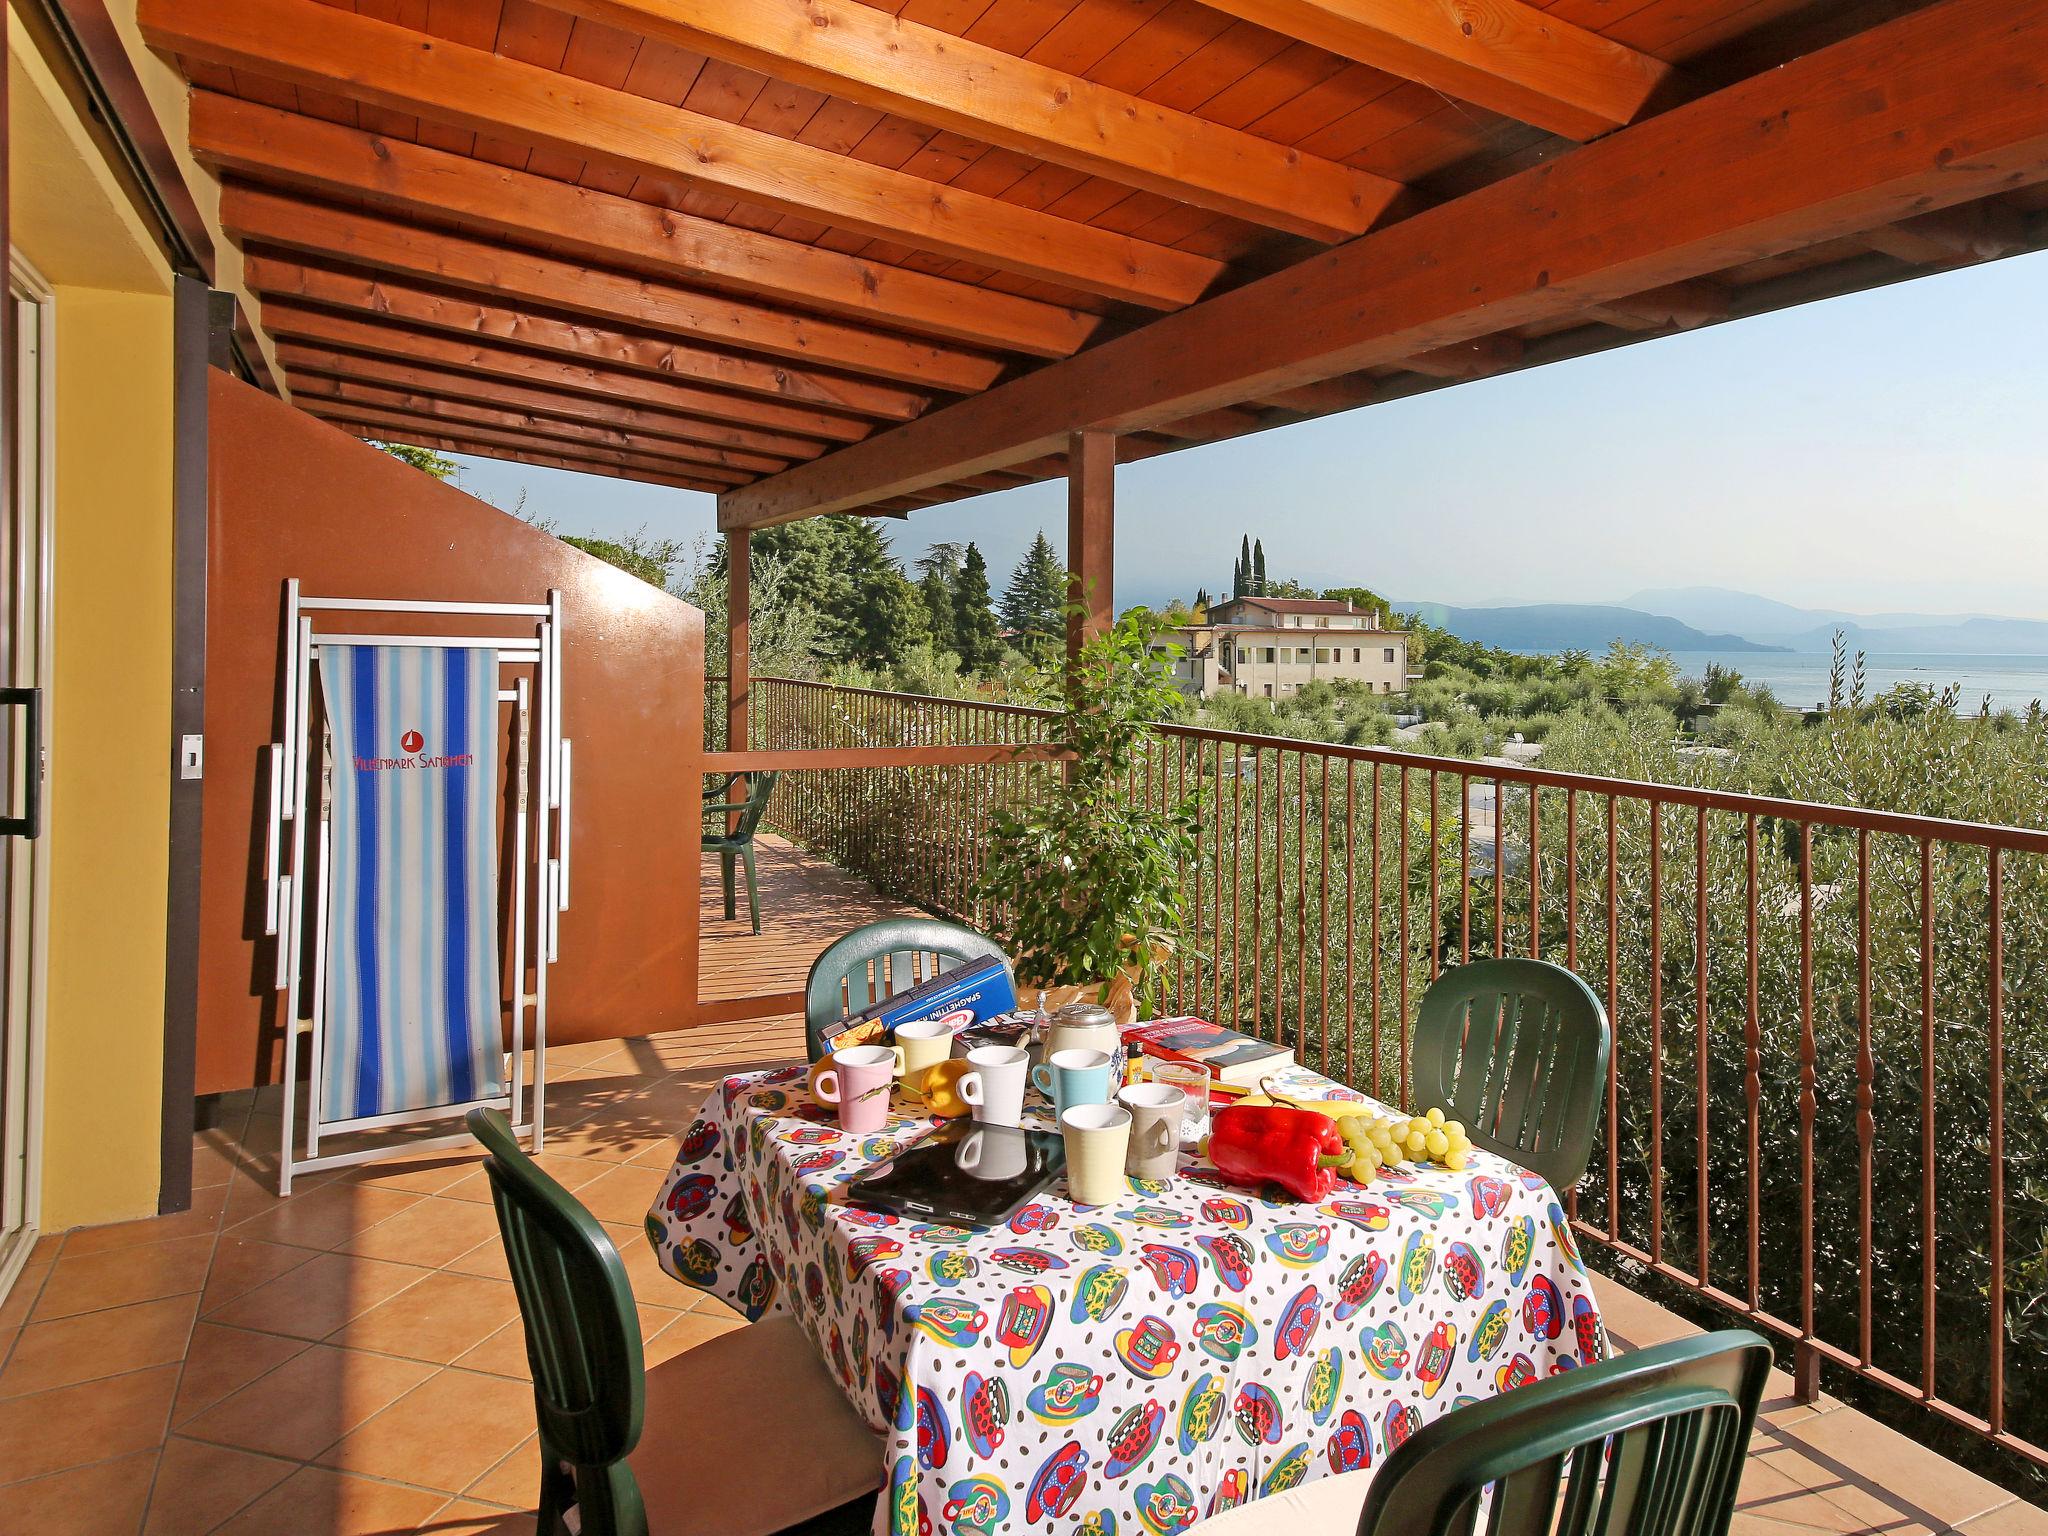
point(1091, 535)
point(738, 616)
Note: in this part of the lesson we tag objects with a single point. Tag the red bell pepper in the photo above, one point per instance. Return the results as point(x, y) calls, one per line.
point(1298, 1149)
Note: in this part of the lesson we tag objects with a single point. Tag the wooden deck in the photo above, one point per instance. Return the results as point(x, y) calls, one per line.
point(806, 903)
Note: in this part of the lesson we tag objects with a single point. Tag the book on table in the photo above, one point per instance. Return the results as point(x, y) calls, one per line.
point(968, 994)
point(1230, 1057)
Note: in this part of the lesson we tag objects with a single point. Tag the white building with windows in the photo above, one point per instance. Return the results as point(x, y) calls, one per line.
point(1273, 647)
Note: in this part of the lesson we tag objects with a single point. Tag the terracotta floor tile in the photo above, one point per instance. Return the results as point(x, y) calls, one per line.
point(514, 1481)
point(96, 1344)
point(202, 1219)
point(1941, 1492)
point(504, 1352)
point(651, 1283)
point(2018, 1518)
point(432, 1233)
point(308, 1403)
point(200, 1485)
point(622, 1195)
point(215, 1160)
point(242, 1264)
point(319, 1296)
point(315, 1500)
point(686, 1332)
point(441, 1317)
point(325, 1217)
point(225, 1360)
point(128, 1275)
point(572, 1173)
point(427, 1173)
point(446, 1433)
point(47, 1248)
point(487, 1258)
point(104, 1499)
point(466, 1517)
point(21, 1296)
point(94, 1421)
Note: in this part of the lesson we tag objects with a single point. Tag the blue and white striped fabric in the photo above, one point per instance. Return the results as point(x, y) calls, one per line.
point(412, 906)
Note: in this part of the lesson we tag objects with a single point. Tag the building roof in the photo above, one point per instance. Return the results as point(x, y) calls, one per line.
point(1296, 605)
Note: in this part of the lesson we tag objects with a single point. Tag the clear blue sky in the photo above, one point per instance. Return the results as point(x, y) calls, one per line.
point(1887, 450)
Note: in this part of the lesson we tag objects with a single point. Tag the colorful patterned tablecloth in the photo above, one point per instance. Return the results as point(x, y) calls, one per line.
point(1130, 1368)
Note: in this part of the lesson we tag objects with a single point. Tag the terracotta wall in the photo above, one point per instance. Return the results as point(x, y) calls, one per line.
point(294, 497)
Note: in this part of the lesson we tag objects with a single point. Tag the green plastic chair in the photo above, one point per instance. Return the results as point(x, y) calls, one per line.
point(1517, 1050)
point(701, 1463)
point(737, 840)
point(894, 950)
point(1649, 1444)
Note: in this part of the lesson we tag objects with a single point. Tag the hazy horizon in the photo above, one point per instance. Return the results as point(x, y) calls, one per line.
point(1879, 452)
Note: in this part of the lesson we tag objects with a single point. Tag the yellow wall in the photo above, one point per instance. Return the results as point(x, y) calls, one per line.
point(109, 765)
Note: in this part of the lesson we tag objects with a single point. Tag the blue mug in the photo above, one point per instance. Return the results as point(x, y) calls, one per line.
point(1073, 1077)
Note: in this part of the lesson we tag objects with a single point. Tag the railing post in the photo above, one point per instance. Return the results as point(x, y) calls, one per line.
point(1805, 1372)
point(738, 615)
point(1091, 535)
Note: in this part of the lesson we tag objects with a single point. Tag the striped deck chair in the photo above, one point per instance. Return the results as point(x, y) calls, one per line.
point(411, 1017)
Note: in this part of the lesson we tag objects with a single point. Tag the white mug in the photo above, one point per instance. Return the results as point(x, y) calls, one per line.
point(991, 1152)
point(1157, 1110)
point(994, 1085)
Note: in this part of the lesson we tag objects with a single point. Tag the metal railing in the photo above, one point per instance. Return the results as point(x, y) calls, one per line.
point(1827, 1108)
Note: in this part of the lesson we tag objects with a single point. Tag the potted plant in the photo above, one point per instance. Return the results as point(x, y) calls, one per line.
point(1085, 883)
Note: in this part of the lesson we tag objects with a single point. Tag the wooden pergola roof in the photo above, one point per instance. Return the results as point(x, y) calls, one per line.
point(826, 255)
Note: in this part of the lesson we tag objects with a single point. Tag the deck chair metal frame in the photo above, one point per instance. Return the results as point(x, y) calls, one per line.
point(296, 878)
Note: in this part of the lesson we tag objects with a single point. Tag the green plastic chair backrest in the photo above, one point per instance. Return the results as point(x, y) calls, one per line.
point(1517, 1050)
point(761, 786)
point(582, 1331)
point(1649, 1444)
point(894, 949)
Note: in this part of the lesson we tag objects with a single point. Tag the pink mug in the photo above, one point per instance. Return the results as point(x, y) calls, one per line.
point(858, 1081)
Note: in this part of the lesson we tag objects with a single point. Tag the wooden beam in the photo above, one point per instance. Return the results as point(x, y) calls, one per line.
point(519, 438)
point(1938, 107)
point(1981, 231)
point(308, 388)
point(307, 44)
point(739, 605)
point(516, 277)
point(748, 446)
point(444, 444)
point(1500, 54)
point(397, 299)
point(1474, 359)
point(250, 139)
point(382, 338)
point(453, 439)
point(873, 59)
point(1675, 306)
point(1327, 395)
point(1091, 538)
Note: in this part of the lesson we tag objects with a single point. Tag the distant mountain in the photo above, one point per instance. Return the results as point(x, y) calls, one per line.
point(1813, 629)
point(1573, 626)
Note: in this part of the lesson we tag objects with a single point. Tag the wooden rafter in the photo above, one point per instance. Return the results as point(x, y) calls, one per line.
point(308, 388)
point(1509, 57)
point(864, 55)
point(382, 338)
point(441, 443)
point(745, 444)
point(392, 298)
point(1474, 359)
point(1983, 231)
point(403, 426)
point(1679, 306)
point(442, 256)
point(251, 139)
point(366, 60)
point(1935, 108)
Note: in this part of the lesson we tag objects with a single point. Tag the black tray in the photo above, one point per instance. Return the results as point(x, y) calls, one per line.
point(929, 1182)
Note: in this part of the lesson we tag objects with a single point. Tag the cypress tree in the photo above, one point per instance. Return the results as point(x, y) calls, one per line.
point(1259, 569)
point(1241, 574)
point(974, 622)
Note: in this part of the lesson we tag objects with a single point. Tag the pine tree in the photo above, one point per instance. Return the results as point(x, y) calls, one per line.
point(1241, 575)
point(885, 616)
point(1034, 603)
point(938, 568)
point(1259, 569)
point(974, 621)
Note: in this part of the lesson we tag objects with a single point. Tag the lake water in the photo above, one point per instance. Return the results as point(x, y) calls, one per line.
point(1801, 680)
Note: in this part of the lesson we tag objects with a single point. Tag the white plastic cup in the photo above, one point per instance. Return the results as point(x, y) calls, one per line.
point(1097, 1137)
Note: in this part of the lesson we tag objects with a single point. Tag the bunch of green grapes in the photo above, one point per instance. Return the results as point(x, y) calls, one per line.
point(1387, 1141)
